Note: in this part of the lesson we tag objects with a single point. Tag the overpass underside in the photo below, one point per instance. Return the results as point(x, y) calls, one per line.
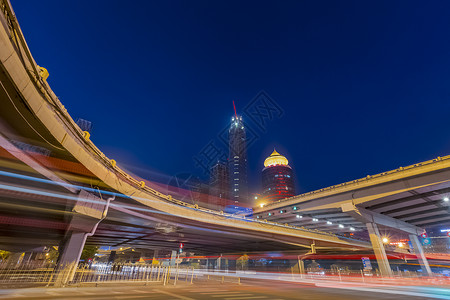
point(57, 187)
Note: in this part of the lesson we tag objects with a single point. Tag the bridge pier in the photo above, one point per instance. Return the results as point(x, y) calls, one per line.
point(89, 211)
point(418, 251)
point(378, 249)
point(69, 255)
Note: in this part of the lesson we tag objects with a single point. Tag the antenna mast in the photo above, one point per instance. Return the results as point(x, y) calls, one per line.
point(235, 114)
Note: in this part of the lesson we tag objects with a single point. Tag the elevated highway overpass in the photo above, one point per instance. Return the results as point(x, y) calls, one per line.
point(71, 192)
point(42, 205)
point(402, 203)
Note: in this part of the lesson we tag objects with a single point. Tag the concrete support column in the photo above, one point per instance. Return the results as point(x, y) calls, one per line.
point(69, 256)
point(378, 249)
point(418, 250)
point(14, 260)
point(219, 262)
point(112, 257)
point(301, 266)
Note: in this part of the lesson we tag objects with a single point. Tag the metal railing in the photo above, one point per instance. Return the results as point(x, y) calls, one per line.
point(44, 274)
point(50, 275)
point(35, 273)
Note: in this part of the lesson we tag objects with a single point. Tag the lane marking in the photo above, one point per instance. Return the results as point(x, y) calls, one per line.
point(131, 297)
point(142, 292)
point(207, 289)
point(235, 295)
point(387, 291)
point(251, 297)
point(174, 295)
point(220, 292)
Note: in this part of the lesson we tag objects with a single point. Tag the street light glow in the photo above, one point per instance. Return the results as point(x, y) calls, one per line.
point(446, 199)
point(385, 240)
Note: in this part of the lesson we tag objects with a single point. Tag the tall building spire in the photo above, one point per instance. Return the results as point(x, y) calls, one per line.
point(237, 160)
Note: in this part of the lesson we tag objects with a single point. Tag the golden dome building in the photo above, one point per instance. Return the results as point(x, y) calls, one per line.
point(277, 178)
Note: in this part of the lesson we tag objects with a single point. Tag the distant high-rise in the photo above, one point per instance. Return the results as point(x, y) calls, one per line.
point(237, 161)
point(219, 181)
point(277, 178)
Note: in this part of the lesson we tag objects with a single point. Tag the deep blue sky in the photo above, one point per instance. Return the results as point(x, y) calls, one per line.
point(365, 86)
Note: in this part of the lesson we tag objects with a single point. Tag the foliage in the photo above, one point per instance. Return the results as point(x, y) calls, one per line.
point(4, 254)
point(88, 252)
point(52, 254)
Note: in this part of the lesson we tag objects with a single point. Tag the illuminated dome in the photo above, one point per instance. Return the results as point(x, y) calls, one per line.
point(275, 159)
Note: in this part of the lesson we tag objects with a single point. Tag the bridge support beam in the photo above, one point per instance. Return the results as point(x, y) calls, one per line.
point(418, 250)
point(378, 248)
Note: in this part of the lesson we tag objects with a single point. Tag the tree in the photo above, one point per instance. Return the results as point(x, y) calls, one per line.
point(4, 254)
point(88, 252)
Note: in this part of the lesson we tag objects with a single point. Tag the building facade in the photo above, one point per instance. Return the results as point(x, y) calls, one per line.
point(277, 178)
point(237, 161)
point(219, 181)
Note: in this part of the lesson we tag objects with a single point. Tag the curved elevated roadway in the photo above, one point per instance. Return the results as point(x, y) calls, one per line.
point(32, 112)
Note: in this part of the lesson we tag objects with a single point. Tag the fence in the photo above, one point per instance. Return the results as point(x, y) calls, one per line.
point(51, 275)
point(144, 274)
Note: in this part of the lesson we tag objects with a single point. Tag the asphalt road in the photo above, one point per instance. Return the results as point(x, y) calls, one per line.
point(249, 289)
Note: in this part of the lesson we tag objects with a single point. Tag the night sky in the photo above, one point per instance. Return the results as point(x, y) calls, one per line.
point(364, 86)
